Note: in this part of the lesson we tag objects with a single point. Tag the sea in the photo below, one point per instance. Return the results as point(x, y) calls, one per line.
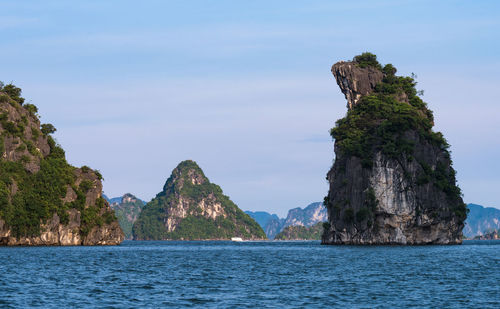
point(268, 274)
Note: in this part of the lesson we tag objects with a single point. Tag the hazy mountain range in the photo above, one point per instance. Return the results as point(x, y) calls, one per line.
point(272, 224)
point(481, 220)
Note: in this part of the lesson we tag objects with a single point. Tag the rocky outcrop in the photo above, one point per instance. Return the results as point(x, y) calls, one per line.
point(127, 210)
point(43, 199)
point(309, 216)
point(192, 208)
point(355, 81)
point(392, 181)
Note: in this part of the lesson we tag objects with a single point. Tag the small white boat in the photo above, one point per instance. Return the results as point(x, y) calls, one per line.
point(236, 239)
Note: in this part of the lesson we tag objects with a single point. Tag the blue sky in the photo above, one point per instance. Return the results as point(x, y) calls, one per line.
point(244, 87)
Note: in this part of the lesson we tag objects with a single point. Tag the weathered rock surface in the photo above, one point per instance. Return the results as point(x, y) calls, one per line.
point(29, 198)
point(355, 81)
point(192, 208)
point(309, 216)
point(406, 198)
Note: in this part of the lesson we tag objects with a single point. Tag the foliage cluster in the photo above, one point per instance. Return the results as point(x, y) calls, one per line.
point(13, 92)
point(298, 232)
point(366, 60)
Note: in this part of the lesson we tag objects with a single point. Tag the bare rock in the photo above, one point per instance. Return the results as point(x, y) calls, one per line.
point(354, 81)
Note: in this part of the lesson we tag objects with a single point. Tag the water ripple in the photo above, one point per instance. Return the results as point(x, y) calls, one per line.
point(249, 275)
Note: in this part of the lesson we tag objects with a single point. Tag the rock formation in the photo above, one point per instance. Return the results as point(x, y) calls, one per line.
point(300, 232)
point(272, 224)
point(192, 208)
point(392, 181)
point(309, 216)
point(43, 199)
point(356, 81)
point(127, 209)
point(481, 220)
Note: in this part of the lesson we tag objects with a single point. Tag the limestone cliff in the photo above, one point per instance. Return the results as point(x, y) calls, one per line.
point(392, 181)
point(43, 199)
point(192, 208)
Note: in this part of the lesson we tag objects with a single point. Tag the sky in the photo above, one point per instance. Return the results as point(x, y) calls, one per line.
point(244, 88)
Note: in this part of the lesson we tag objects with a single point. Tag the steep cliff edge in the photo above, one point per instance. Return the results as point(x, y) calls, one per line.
point(43, 199)
point(392, 181)
point(192, 208)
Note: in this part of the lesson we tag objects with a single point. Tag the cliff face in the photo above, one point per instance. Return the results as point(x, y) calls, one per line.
point(356, 81)
point(392, 181)
point(43, 199)
point(308, 216)
point(127, 210)
point(192, 208)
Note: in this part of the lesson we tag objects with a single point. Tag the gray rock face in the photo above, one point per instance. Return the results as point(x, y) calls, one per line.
point(387, 202)
point(354, 81)
point(308, 216)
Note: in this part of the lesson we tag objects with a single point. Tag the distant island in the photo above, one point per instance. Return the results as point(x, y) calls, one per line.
point(127, 209)
point(43, 199)
point(392, 181)
point(190, 207)
point(299, 232)
point(307, 217)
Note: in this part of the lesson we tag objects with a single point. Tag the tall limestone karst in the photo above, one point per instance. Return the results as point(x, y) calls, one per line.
point(43, 199)
point(392, 181)
point(192, 208)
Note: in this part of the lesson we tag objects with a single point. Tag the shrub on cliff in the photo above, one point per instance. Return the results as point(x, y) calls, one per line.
point(367, 59)
point(13, 92)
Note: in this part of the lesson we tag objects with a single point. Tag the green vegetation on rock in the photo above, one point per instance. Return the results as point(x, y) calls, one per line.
point(299, 232)
point(382, 122)
point(366, 60)
point(190, 207)
point(35, 180)
point(127, 212)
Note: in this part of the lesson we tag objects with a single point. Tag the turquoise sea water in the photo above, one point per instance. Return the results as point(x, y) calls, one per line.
point(251, 275)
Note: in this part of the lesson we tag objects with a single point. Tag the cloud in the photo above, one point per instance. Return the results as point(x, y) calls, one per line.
point(13, 22)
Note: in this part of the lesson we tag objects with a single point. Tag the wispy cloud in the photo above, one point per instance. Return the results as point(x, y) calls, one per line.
point(12, 22)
